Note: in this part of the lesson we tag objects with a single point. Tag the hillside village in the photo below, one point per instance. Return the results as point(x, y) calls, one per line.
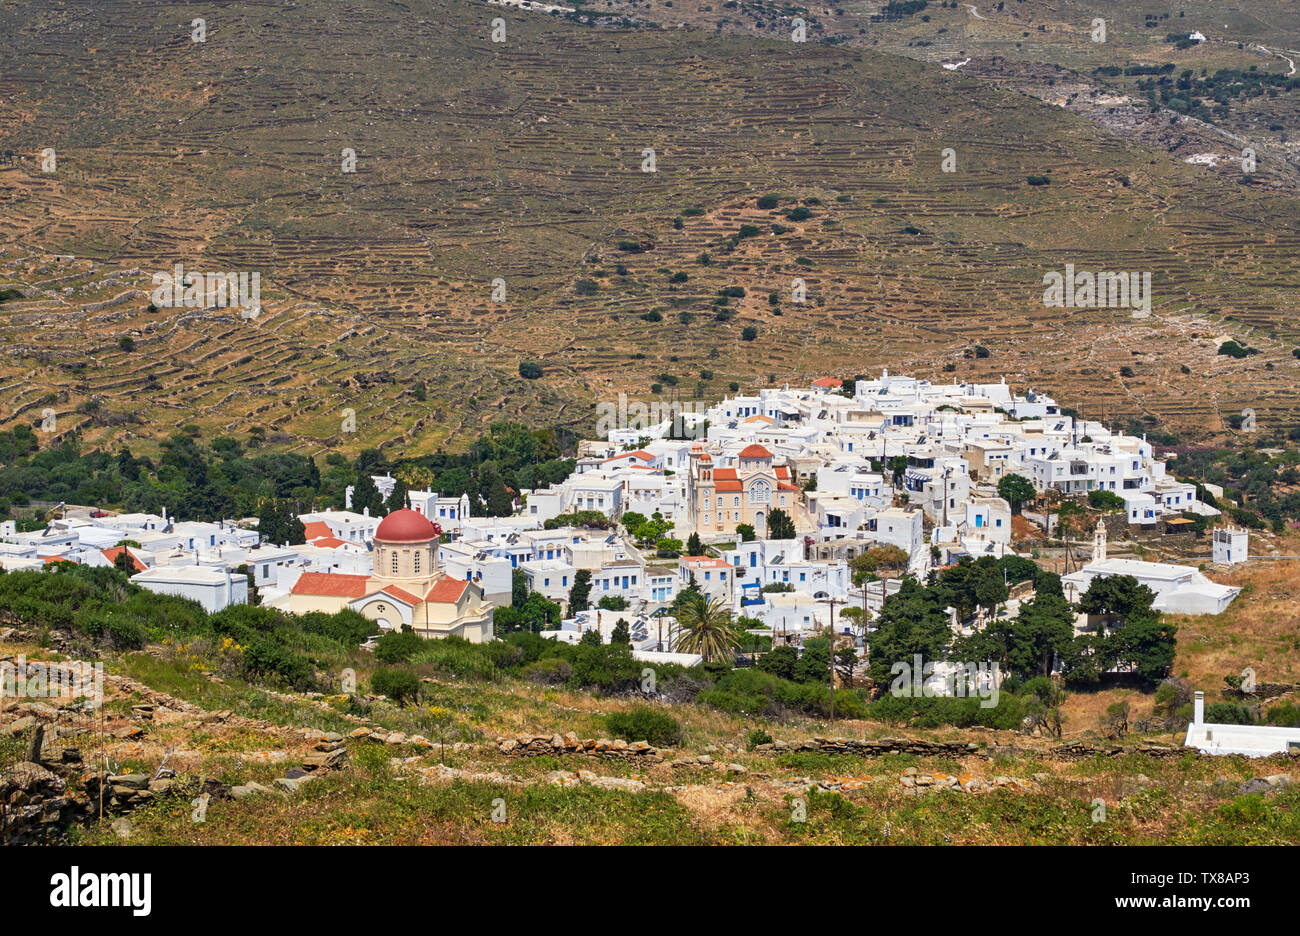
point(777, 493)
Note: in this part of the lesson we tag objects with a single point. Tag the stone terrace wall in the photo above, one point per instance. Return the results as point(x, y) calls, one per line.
point(570, 743)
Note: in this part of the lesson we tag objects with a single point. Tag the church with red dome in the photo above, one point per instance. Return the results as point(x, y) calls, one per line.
point(406, 588)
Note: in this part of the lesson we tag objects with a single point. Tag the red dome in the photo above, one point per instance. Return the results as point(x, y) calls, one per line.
point(407, 526)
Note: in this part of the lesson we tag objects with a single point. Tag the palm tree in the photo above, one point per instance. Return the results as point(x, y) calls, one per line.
point(706, 627)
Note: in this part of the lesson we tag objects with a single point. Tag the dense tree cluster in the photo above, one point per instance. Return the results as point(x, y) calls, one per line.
point(229, 478)
point(1130, 636)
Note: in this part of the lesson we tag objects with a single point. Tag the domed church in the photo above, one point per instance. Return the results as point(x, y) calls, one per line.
point(406, 586)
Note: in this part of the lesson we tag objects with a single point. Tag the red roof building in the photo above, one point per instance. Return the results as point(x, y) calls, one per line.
point(407, 526)
point(112, 554)
point(332, 585)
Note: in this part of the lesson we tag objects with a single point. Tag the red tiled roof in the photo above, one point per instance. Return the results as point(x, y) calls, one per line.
point(330, 584)
point(401, 594)
point(329, 542)
point(828, 382)
point(782, 472)
point(639, 453)
point(112, 554)
point(725, 474)
point(755, 451)
point(728, 486)
point(447, 590)
point(786, 486)
point(48, 559)
point(315, 530)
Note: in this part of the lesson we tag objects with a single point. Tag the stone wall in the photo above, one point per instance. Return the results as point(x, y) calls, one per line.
point(570, 743)
point(36, 807)
point(880, 746)
point(1069, 751)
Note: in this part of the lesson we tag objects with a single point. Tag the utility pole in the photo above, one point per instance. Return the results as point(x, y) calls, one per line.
point(832, 601)
point(945, 494)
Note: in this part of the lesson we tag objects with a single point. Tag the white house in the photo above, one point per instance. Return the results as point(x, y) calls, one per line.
point(1230, 546)
point(1178, 589)
point(214, 589)
point(1250, 740)
point(988, 518)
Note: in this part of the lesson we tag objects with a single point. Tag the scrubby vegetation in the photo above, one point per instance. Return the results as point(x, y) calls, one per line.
point(102, 609)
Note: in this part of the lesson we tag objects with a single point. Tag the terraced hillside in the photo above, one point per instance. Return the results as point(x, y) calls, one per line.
point(522, 161)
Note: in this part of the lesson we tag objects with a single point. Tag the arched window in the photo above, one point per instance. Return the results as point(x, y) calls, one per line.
point(417, 562)
point(394, 563)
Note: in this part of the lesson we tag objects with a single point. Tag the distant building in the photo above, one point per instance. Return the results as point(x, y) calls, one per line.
point(723, 498)
point(1251, 740)
point(406, 588)
point(1230, 546)
point(214, 589)
point(1179, 589)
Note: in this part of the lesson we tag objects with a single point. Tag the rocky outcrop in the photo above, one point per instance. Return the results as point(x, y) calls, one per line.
point(329, 753)
point(534, 745)
point(383, 736)
point(913, 781)
point(35, 807)
point(566, 778)
point(706, 762)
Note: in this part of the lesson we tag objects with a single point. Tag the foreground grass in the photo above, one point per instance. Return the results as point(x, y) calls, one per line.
point(362, 806)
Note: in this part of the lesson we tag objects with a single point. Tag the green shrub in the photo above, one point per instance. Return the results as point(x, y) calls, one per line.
point(400, 685)
point(944, 711)
point(264, 658)
point(1228, 713)
point(398, 646)
point(551, 672)
point(456, 657)
point(607, 668)
point(348, 627)
point(644, 724)
point(758, 736)
point(1105, 500)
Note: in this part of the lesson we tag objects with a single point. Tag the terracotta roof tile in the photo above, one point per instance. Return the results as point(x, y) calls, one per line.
point(315, 530)
point(112, 554)
point(447, 590)
point(401, 594)
point(334, 585)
